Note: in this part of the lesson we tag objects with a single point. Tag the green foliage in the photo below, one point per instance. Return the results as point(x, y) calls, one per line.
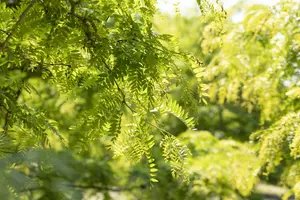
point(52, 175)
point(251, 69)
point(175, 153)
point(275, 139)
point(226, 168)
point(92, 100)
point(245, 71)
point(76, 71)
point(176, 110)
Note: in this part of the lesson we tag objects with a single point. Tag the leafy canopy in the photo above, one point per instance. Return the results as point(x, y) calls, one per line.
point(73, 72)
point(80, 77)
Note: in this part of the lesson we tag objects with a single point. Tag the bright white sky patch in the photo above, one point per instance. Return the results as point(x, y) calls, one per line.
point(189, 7)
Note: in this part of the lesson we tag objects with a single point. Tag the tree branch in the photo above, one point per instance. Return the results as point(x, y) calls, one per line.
point(87, 23)
point(55, 64)
point(86, 187)
point(107, 188)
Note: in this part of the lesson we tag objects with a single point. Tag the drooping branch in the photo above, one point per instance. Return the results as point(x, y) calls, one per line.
point(87, 24)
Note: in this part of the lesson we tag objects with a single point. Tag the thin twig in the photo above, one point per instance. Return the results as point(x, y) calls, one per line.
point(57, 64)
point(22, 16)
point(3, 31)
point(118, 87)
point(106, 188)
point(163, 131)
